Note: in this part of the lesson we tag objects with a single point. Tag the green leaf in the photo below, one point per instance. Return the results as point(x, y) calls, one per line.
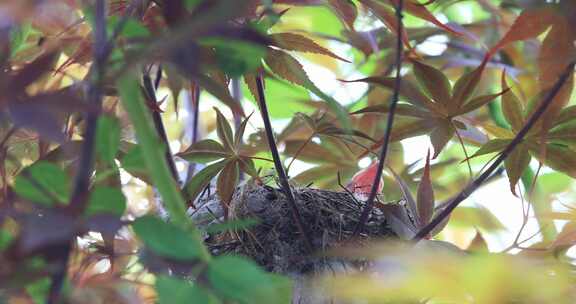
point(176, 291)
point(512, 108)
point(153, 152)
point(239, 279)
point(43, 183)
point(39, 290)
point(227, 181)
point(107, 138)
point(133, 162)
point(478, 216)
point(204, 151)
point(166, 239)
point(515, 165)
point(224, 130)
point(567, 114)
point(495, 145)
point(434, 82)
point(6, 239)
point(563, 133)
point(18, 36)
point(235, 57)
point(401, 109)
point(106, 200)
point(201, 179)
point(558, 157)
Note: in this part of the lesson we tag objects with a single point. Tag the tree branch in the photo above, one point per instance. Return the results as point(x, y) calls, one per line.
point(278, 164)
point(151, 93)
point(389, 123)
point(517, 140)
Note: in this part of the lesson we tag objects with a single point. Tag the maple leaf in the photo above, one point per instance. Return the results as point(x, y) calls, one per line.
point(437, 106)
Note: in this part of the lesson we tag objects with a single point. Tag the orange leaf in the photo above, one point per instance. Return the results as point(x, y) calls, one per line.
point(227, 180)
point(285, 66)
point(529, 24)
point(511, 106)
point(556, 53)
point(515, 165)
point(295, 42)
point(478, 244)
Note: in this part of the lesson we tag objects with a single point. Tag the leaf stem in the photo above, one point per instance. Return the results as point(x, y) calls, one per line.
point(389, 123)
point(468, 190)
point(278, 164)
point(153, 153)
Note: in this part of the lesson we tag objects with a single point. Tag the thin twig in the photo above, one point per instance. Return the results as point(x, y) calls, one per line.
point(468, 190)
point(387, 133)
point(465, 152)
point(195, 103)
point(157, 118)
point(278, 164)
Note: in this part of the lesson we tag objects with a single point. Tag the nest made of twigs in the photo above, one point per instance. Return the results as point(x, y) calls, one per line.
point(276, 242)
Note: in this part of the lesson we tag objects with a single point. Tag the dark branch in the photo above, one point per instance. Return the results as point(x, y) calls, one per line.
point(195, 107)
point(278, 164)
point(82, 180)
point(486, 174)
point(159, 125)
point(387, 133)
point(102, 47)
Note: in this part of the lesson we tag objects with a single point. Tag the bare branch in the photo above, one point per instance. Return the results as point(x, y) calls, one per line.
point(387, 133)
point(278, 163)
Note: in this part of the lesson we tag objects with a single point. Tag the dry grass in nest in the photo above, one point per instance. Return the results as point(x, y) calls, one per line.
point(275, 242)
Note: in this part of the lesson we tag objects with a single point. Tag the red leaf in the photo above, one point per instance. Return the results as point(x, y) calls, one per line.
point(227, 181)
point(420, 11)
point(387, 16)
point(434, 82)
point(529, 24)
point(425, 198)
point(346, 10)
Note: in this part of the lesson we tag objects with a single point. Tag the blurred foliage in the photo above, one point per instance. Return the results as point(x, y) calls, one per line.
point(116, 116)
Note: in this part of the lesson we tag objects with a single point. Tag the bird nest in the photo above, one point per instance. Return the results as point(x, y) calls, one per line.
point(275, 240)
